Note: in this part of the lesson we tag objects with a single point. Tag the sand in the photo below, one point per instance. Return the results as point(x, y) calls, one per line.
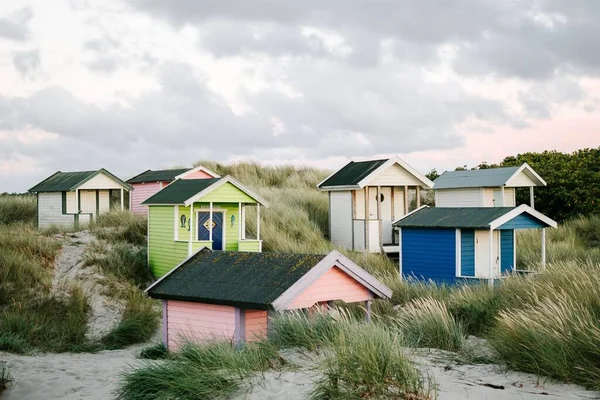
point(105, 311)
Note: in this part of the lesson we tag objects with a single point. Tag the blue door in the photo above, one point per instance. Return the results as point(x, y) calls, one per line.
point(217, 228)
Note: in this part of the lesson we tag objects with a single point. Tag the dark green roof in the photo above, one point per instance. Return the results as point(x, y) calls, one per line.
point(162, 175)
point(180, 191)
point(352, 173)
point(67, 181)
point(442, 217)
point(490, 177)
point(242, 279)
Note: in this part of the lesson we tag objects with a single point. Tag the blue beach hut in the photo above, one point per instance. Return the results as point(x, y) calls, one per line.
point(449, 244)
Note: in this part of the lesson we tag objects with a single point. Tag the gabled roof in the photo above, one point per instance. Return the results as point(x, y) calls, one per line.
point(467, 217)
point(68, 181)
point(161, 175)
point(253, 280)
point(187, 191)
point(168, 175)
point(358, 174)
point(490, 177)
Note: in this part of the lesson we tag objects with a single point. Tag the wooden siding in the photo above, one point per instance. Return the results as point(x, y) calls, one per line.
point(374, 240)
point(398, 209)
point(256, 325)
point(50, 210)
point(359, 235)
point(101, 181)
point(482, 253)
point(395, 175)
point(340, 214)
point(197, 175)
point(250, 245)
point(359, 204)
point(87, 201)
point(198, 322)
point(104, 196)
point(141, 192)
point(467, 252)
point(523, 221)
point(163, 252)
point(332, 285)
point(458, 198)
point(386, 215)
point(488, 197)
point(429, 254)
point(522, 180)
point(227, 193)
point(509, 197)
point(71, 202)
point(506, 251)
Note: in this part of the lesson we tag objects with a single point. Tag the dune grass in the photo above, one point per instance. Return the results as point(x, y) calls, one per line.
point(18, 209)
point(121, 227)
point(120, 261)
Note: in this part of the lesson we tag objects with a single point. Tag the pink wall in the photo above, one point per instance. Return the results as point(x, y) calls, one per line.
point(256, 325)
point(140, 192)
point(197, 175)
point(198, 322)
point(333, 285)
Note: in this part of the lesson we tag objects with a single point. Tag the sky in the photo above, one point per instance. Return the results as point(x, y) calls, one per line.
point(131, 85)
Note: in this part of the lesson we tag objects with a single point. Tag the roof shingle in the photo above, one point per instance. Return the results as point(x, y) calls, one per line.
point(466, 217)
point(491, 177)
point(242, 279)
point(162, 175)
point(180, 191)
point(62, 181)
point(352, 173)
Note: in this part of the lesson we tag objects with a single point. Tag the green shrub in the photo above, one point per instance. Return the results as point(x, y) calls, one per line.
point(368, 361)
point(428, 323)
point(558, 338)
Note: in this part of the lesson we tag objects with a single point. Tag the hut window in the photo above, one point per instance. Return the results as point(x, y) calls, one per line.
point(64, 202)
point(381, 197)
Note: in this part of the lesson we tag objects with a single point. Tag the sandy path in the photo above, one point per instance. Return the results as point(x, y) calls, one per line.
point(105, 311)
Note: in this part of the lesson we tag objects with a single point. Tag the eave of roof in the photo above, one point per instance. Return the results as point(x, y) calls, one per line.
point(161, 175)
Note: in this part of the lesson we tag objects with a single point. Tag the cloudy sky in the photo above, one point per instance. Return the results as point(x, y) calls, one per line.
point(139, 84)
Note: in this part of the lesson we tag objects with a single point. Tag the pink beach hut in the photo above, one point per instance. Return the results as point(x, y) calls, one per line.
point(226, 295)
point(150, 182)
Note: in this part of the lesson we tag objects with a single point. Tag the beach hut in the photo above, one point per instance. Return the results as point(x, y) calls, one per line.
point(149, 182)
point(72, 198)
point(491, 187)
point(365, 197)
point(190, 214)
point(232, 295)
point(455, 244)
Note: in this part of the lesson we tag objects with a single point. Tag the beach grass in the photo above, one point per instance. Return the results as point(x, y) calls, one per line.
point(154, 352)
point(20, 209)
point(121, 227)
point(139, 322)
point(121, 261)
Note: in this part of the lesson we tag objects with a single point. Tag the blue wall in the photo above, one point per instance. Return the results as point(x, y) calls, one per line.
point(506, 250)
point(467, 252)
point(523, 221)
point(429, 254)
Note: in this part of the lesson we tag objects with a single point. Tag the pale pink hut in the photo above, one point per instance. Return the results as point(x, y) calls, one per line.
point(150, 182)
point(226, 295)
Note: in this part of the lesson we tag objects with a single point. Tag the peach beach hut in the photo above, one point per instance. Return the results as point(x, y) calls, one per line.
point(149, 182)
point(229, 295)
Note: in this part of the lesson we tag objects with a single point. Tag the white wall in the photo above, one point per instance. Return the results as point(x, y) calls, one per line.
point(522, 180)
point(359, 235)
point(395, 175)
point(50, 210)
point(398, 203)
point(469, 197)
point(359, 204)
point(340, 214)
point(509, 197)
point(373, 231)
point(101, 181)
point(104, 201)
point(482, 253)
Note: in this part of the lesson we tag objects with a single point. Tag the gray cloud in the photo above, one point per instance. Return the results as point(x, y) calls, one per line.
point(103, 54)
point(28, 63)
point(15, 27)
